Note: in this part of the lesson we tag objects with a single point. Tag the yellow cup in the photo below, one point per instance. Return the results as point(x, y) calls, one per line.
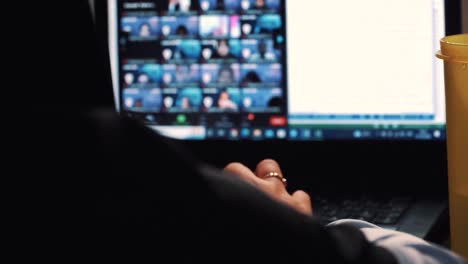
point(454, 52)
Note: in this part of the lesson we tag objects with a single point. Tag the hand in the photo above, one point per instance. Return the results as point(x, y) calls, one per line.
point(272, 186)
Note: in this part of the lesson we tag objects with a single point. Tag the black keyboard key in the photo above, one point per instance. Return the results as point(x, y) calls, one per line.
point(398, 211)
point(347, 208)
point(331, 218)
point(386, 220)
point(391, 218)
point(343, 215)
point(332, 212)
point(372, 204)
point(367, 219)
point(367, 214)
point(399, 207)
point(355, 215)
point(394, 215)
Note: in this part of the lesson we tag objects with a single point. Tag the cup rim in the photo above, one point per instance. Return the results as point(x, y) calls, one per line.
point(447, 40)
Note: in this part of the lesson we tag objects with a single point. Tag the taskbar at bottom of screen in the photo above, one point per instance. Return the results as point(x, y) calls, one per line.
point(207, 133)
point(301, 133)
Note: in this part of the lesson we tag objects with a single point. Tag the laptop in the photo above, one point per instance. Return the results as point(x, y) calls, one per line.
point(346, 95)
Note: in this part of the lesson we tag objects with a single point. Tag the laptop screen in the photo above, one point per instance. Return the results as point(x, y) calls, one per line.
point(276, 69)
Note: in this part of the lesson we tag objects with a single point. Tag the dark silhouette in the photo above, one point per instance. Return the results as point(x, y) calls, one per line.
point(182, 30)
point(252, 77)
point(275, 102)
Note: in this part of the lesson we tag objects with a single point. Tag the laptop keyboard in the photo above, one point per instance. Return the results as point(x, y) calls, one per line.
point(380, 211)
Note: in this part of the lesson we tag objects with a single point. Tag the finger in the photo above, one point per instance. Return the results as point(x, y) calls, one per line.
point(303, 201)
point(242, 171)
point(268, 166)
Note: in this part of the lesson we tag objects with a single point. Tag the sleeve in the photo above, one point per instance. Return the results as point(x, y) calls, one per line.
point(404, 247)
point(112, 190)
point(199, 207)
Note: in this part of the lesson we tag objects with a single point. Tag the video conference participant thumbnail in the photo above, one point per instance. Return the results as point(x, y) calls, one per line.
point(219, 26)
point(223, 50)
point(260, 50)
point(177, 50)
point(232, 5)
point(178, 75)
point(262, 5)
point(254, 26)
point(262, 100)
point(185, 100)
point(217, 100)
point(242, 5)
point(178, 6)
point(179, 26)
point(211, 5)
point(142, 100)
point(141, 28)
point(141, 6)
point(138, 73)
point(220, 75)
point(253, 75)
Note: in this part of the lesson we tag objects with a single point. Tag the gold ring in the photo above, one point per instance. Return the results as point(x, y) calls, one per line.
point(276, 175)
